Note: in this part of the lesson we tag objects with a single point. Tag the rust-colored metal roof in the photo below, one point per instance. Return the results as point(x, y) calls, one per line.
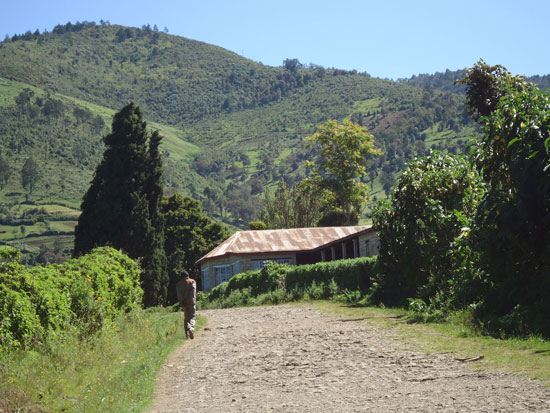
point(283, 240)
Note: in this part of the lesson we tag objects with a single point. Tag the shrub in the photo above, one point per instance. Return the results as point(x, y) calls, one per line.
point(351, 274)
point(269, 278)
point(19, 324)
point(429, 210)
point(42, 302)
point(277, 283)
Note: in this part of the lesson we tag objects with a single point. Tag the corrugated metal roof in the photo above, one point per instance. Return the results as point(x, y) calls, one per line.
point(282, 240)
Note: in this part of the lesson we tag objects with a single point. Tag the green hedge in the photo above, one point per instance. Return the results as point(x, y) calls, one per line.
point(278, 282)
point(351, 274)
point(40, 302)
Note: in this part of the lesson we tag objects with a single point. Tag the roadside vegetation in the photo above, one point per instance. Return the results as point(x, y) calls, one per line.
point(73, 337)
point(113, 371)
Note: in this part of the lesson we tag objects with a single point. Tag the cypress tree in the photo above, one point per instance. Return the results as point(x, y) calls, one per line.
point(121, 207)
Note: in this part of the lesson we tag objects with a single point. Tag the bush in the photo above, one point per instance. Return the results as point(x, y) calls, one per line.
point(269, 278)
point(423, 228)
point(350, 274)
point(42, 302)
point(278, 283)
point(20, 323)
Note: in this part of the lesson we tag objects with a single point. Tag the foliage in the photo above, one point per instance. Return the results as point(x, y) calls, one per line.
point(176, 85)
point(349, 274)
point(421, 227)
point(269, 278)
point(113, 371)
point(451, 81)
point(231, 108)
point(190, 234)
point(121, 207)
point(277, 283)
point(299, 206)
point(30, 174)
point(257, 225)
point(5, 172)
point(40, 303)
point(340, 151)
point(512, 230)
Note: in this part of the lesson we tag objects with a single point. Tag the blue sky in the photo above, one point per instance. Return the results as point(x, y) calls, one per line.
point(386, 38)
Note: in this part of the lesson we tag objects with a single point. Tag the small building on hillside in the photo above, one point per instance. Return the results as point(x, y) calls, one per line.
point(250, 250)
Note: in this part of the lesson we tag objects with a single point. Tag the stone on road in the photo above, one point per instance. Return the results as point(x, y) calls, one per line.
point(292, 358)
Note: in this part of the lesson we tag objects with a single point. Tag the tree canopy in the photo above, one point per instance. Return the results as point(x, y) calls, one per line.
point(299, 206)
point(5, 172)
point(433, 203)
point(30, 174)
point(340, 152)
point(477, 237)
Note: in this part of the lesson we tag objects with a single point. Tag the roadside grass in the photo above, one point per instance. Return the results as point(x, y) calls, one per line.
point(524, 356)
point(111, 372)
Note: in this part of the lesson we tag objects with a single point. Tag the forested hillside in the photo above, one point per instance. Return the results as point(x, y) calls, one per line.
point(232, 126)
point(446, 81)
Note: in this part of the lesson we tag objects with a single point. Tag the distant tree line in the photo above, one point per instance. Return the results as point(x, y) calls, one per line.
point(77, 27)
point(449, 81)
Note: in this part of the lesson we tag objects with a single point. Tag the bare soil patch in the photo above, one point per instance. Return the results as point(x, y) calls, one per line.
point(292, 358)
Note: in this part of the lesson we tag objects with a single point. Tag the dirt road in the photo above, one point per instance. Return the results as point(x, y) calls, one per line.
point(294, 359)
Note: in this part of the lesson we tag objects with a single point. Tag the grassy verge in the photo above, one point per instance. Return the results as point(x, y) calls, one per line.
point(115, 371)
point(529, 357)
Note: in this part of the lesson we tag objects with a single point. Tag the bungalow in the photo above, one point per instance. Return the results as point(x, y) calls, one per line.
point(250, 250)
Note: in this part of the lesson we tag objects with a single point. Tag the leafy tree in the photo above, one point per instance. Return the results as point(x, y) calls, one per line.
point(433, 204)
point(190, 234)
point(5, 172)
point(53, 107)
point(387, 179)
point(245, 160)
point(340, 151)
point(30, 174)
point(24, 98)
point(121, 207)
point(292, 65)
point(97, 124)
point(299, 206)
point(513, 223)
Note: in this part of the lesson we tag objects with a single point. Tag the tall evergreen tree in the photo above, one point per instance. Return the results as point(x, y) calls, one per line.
point(121, 207)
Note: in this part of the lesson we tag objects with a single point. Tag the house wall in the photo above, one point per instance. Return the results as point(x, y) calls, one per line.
point(369, 244)
point(238, 263)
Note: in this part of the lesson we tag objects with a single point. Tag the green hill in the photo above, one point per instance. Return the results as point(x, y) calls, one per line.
point(233, 126)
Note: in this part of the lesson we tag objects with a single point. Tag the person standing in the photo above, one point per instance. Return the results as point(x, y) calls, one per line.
point(186, 290)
